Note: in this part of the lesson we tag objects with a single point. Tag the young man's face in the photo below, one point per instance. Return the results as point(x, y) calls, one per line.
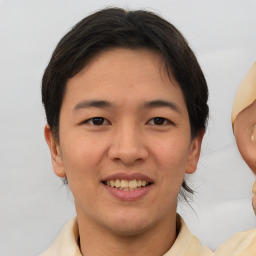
point(124, 123)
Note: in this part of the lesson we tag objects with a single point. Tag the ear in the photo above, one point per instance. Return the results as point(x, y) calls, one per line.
point(55, 151)
point(194, 153)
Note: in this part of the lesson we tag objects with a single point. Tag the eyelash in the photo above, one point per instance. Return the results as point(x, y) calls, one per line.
point(103, 121)
point(163, 121)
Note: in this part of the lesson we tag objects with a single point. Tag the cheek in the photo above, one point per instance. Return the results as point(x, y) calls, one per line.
point(81, 161)
point(171, 163)
point(82, 157)
point(172, 155)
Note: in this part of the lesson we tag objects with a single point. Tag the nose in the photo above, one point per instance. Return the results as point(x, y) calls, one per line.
point(127, 146)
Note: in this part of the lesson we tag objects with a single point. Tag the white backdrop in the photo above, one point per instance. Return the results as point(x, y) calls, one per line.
point(34, 204)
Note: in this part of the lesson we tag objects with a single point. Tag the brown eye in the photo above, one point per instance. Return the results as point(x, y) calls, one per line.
point(159, 121)
point(97, 121)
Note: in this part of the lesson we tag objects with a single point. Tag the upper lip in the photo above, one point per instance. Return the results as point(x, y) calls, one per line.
point(128, 176)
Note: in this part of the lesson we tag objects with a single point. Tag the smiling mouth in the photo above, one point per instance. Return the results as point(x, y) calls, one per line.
point(127, 185)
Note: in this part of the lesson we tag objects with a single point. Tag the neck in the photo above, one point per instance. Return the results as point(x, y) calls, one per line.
point(96, 240)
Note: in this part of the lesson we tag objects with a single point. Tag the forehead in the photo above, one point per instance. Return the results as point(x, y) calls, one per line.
point(114, 61)
point(138, 74)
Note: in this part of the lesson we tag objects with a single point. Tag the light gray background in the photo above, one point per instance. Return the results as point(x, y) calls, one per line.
point(34, 204)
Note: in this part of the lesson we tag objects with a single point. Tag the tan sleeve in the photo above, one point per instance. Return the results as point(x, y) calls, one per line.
point(241, 244)
point(246, 93)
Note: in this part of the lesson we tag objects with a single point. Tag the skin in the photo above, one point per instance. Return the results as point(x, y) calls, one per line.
point(128, 140)
point(245, 134)
point(243, 120)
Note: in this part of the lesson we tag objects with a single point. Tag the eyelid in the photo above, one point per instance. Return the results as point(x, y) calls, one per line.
point(166, 121)
point(89, 121)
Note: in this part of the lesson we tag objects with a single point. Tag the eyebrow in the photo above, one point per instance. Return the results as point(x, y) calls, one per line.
point(106, 104)
point(162, 103)
point(92, 103)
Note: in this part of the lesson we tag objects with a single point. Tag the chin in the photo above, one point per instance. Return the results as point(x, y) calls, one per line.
point(130, 224)
point(130, 229)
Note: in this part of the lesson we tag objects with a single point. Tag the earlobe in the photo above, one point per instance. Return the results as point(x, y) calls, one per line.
point(55, 152)
point(195, 149)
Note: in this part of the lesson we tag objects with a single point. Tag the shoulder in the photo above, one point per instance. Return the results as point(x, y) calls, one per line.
point(66, 243)
point(241, 244)
point(186, 243)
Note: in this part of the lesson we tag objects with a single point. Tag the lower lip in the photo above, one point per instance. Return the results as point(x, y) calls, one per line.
point(128, 195)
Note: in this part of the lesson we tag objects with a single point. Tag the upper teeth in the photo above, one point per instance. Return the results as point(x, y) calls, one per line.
point(127, 183)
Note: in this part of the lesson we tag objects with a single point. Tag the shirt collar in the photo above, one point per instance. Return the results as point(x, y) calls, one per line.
point(185, 244)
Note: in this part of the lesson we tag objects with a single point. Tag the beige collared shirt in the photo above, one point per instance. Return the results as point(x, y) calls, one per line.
point(241, 244)
point(186, 244)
